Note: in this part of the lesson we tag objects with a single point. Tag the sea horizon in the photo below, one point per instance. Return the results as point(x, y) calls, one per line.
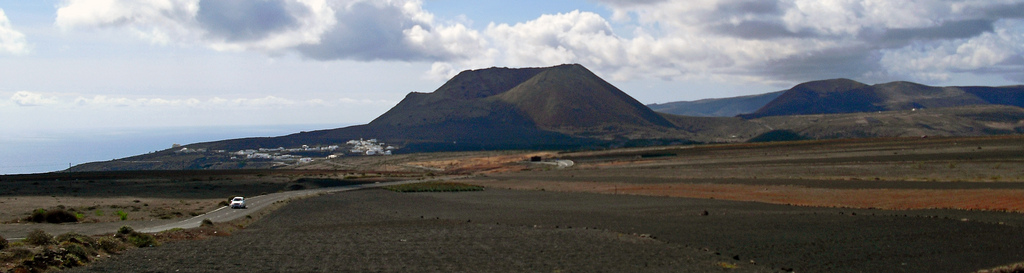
point(42, 152)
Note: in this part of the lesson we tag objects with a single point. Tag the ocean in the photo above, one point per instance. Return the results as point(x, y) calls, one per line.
point(39, 152)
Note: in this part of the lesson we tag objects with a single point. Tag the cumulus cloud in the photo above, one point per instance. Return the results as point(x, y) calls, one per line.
point(798, 40)
point(26, 98)
point(765, 41)
point(11, 40)
point(319, 29)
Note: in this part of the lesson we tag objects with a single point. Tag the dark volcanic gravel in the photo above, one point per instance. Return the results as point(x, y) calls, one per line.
point(534, 231)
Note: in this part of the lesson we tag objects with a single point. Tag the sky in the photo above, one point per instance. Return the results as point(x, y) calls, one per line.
point(88, 64)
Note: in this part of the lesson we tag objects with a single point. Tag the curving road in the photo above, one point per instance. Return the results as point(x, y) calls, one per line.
point(16, 232)
point(256, 203)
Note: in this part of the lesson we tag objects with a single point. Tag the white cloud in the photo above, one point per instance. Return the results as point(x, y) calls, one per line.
point(26, 98)
point(938, 60)
point(799, 40)
point(318, 29)
point(762, 41)
point(561, 38)
point(11, 40)
point(219, 24)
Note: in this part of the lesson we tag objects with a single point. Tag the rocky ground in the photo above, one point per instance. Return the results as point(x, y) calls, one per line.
point(538, 231)
point(869, 205)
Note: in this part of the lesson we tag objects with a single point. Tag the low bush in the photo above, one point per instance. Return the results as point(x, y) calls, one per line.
point(125, 230)
point(56, 216)
point(15, 254)
point(38, 216)
point(111, 245)
point(206, 223)
point(142, 240)
point(138, 239)
point(71, 261)
point(39, 237)
point(72, 237)
point(3, 242)
point(83, 253)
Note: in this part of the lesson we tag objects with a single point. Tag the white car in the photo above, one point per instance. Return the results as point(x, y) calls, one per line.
point(238, 202)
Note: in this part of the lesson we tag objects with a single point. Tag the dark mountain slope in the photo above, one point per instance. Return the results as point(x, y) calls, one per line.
point(907, 95)
point(827, 96)
point(497, 108)
point(1005, 95)
point(847, 96)
point(570, 96)
point(724, 107)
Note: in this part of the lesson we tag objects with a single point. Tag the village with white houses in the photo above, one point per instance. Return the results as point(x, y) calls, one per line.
point(300, 155)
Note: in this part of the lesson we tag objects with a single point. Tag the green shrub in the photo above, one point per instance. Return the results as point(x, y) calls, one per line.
point(206, 223)
point(99, 212)
point(123, 215)
point(111, 245)
point(3, 242)
point(142, 240)
point(39, 237)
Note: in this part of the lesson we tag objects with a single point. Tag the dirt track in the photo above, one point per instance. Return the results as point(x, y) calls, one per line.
point(535, 231)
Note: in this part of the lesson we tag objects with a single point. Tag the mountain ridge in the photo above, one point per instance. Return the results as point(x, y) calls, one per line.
point(569, 107)
point(847, 96)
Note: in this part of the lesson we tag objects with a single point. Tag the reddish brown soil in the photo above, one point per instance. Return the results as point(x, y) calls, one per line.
point(1010, 200)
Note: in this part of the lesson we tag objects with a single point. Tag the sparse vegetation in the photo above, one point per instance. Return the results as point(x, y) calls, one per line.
point(434, 187)
point(73, 237)
point(38, 237)
point(111, 245)
point(121, 214)
point(3, 242)
point(138, 239)
point(142, 240)
point(15, 254)
point(72, 250)
point(80, 251)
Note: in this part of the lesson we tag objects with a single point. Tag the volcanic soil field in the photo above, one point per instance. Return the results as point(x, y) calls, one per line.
point(878, 205)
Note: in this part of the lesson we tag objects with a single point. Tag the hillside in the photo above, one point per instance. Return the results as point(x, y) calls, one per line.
point(847, 96)
point(723, 107)
point(567, 107)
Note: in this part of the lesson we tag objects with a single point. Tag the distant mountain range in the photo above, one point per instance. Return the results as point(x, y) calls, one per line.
point(569, 107)
point(846, 96)
point(724, 107)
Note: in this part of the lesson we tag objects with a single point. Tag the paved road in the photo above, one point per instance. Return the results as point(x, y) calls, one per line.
point(16, 232)
point(256, 203)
